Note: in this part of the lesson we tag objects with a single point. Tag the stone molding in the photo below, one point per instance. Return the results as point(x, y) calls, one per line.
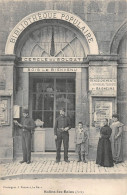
point(117, 38)
point(52, 15)
point(8, 60)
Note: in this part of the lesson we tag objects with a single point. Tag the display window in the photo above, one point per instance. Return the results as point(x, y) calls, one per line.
point(49, 95)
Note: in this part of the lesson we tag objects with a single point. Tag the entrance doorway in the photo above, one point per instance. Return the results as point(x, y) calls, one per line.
point(48, 93)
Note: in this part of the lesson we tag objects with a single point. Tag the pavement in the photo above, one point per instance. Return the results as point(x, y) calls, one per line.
point(48, 168)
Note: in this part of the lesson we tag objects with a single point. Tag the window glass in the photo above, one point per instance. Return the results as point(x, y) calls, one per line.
point(60, 85)
point(48, 85)
point(48, 119)
point(48, 101)
point(70, 85)
point(37, 115)
point(72, 118)
point(38, 85)
point(60, 101)
point(37, 101)
point(49, 96)
point(71, 102)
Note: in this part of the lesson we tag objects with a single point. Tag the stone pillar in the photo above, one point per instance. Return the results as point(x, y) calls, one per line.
point(6, 129)
point(39, 140)
point(103, 68)
point(22, 94)
point(85, 100)
point(21, 99)
point(78, 114)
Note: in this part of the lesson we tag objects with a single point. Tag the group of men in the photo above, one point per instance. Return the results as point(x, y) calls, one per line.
point(61, 133)
point(61, 128)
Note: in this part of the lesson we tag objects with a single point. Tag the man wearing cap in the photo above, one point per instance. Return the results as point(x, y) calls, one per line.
point(27, 125)
point(61, 128)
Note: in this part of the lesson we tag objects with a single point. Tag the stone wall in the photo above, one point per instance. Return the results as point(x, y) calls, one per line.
point(103, 17)
point(6, 129)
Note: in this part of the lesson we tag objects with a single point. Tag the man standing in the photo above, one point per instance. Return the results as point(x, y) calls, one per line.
point(61, 128)
point(27, 125)
point(117, 139)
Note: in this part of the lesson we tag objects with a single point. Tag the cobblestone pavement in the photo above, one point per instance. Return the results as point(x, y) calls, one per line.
point(44, 167)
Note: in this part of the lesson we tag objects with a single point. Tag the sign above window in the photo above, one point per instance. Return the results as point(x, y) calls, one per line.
point(53, 69)
point(52, 59)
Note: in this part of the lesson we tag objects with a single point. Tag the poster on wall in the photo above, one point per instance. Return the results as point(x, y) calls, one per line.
point(4, 112)
point(102, 110)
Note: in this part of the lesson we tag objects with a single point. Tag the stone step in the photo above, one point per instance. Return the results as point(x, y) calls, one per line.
point(49, 155)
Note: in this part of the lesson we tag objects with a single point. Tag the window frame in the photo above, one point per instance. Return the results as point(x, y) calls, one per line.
point(55, 93)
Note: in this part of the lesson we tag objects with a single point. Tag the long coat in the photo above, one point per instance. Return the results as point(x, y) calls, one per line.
point(116, 143)
point(104, 152)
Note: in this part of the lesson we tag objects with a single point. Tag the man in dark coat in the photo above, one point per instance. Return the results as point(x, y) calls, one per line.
point(61, 128)
point(27, 125)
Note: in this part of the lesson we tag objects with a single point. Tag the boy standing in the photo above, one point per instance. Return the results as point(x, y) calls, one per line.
point(80, 140)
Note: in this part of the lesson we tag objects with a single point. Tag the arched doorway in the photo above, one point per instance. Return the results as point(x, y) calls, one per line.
point(51, 72)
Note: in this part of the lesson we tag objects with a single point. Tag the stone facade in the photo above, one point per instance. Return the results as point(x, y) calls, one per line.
point(107, 21)
point(103, 17)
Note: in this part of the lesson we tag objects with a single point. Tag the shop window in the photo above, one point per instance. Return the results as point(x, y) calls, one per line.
point(49, 95)
point(61, 85)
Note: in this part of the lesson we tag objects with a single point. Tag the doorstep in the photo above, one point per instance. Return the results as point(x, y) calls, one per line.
point(50, 156)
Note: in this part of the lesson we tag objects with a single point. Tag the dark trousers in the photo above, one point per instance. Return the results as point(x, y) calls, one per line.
point(26, 145)
point(65, 137)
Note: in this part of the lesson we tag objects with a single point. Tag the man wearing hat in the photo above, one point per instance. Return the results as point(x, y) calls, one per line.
point(61, 128)
point(27, 125)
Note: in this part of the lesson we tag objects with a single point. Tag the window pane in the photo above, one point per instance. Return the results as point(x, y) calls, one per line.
point(70, 85)
point(38, 85)
point(37, 115)
point(48, 85)
point(48, 102)
point(57, 114)
point(38, 102)
point(70, 102)
point(60, 101)
point(48, 119)
point(72, 118)
point(61, 85)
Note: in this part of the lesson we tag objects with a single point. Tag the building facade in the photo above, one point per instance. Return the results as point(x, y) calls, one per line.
point(61, 53)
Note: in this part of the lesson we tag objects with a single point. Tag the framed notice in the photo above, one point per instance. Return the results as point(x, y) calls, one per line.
point(103, 81)
point(4, 111)
point(102, 108)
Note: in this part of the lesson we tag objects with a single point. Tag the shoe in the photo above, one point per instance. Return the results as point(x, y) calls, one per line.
point(84, 158)
point(79, 158)
point(117, 162)
point(57, 161)
point(67, 161)
point(28, 162)
point(22, 161)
